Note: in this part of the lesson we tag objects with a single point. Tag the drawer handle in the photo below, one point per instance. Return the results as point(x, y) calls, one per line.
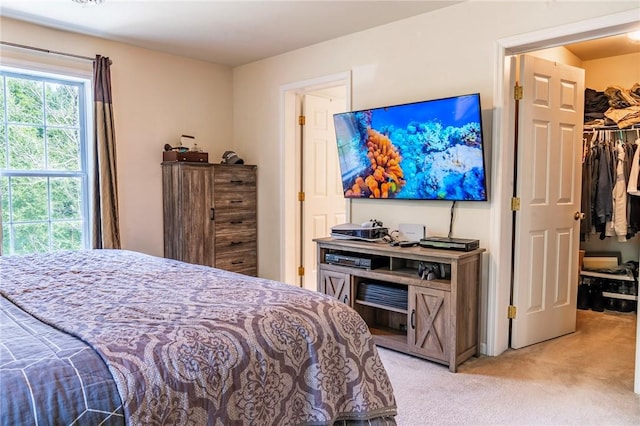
point(212, 214)
point(236, 243)
point(413, 317)
point(237, 262)
point(236, 201)
point(237, 182)
point(236, 222)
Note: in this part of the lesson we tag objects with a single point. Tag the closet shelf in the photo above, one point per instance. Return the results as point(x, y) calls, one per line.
point(613, 277)
point(619, 296)
point(606, 276)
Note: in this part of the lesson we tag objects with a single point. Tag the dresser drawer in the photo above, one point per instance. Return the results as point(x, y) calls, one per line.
point(243, 261)
point(234, 176)
point(233, 217)
point(235, 200)
point(241, 230)
point(242, 239)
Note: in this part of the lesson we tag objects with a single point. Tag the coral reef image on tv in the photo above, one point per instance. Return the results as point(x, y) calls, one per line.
point(430, 150)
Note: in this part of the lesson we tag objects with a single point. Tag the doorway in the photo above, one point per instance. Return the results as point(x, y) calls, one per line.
point(298, 258)
point(503, 119)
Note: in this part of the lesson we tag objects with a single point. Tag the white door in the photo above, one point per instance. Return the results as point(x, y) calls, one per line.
point(324, 204)
point(548, 184)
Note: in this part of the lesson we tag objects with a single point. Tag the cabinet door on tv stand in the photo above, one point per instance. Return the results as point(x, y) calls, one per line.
point(428, 333)
point(336, 284)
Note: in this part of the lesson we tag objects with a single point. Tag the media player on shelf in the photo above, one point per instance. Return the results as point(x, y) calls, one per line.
point(367, 231)
point(362, 262)
point(450, 243)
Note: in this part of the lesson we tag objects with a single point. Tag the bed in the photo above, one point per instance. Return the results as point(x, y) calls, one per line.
point(119, 337)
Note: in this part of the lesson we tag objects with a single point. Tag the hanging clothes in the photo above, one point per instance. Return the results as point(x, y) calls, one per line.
point(604, 189)
point(620, 196)
point(633, 190)
point(586, 201)
point(632, 187)
point(610, 179)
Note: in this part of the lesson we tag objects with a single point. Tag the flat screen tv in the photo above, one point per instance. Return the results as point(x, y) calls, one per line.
point(430, 150)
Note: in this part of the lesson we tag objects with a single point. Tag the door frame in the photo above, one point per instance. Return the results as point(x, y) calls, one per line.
point(500, 240)
point(290, 173)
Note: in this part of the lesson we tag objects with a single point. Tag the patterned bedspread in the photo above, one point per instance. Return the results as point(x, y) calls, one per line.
point(188, 344)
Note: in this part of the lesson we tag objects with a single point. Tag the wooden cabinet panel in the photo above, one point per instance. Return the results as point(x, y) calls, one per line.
point(336, 284)
point(210, 215)
point(434, 319)
point(429, 312)
point(188, 229)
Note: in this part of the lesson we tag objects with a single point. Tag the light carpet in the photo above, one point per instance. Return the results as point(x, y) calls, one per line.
point(584, 378)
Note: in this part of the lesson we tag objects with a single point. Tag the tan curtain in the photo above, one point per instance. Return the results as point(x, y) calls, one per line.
point(106, 228)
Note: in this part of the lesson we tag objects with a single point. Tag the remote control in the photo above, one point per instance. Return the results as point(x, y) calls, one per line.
point(408, 243)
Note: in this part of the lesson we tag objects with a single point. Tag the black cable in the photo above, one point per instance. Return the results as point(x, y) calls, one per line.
point(451, 220)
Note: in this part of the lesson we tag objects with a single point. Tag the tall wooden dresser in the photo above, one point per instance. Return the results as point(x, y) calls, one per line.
point(210, 215)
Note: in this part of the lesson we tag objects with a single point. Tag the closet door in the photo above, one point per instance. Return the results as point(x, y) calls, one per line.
point(548, 185)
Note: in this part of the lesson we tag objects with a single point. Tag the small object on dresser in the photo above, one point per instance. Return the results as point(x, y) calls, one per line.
point(187, 156)
point(187, 141)
point(230, 157)
point(179, 148)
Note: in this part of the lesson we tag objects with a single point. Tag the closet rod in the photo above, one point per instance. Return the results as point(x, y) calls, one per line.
point(613, 128)
point(53, 52)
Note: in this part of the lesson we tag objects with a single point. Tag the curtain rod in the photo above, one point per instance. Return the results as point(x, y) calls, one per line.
point(22, 46)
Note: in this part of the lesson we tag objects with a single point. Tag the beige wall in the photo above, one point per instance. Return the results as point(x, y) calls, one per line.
point(157, 97)
point(623, 71)
point(447, 52)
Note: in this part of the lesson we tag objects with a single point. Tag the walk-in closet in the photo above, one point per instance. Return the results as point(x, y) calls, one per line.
point(610, 205)
point(610, 224)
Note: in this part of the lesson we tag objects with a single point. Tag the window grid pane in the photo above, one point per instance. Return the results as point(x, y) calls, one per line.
point(25, 100)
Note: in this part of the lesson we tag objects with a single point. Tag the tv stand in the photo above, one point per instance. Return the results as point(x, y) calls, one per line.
point(435, 319)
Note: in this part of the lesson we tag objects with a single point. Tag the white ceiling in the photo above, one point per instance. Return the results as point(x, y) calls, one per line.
point(238, 32)
point(224, 32)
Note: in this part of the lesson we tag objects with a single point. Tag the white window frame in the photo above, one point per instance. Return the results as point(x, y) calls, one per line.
point(56, 74)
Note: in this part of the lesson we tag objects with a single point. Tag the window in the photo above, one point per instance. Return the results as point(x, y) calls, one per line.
point(43, 162)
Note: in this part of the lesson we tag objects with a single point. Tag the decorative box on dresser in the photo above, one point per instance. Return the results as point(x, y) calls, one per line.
point(436, 319)
point(210, 215)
